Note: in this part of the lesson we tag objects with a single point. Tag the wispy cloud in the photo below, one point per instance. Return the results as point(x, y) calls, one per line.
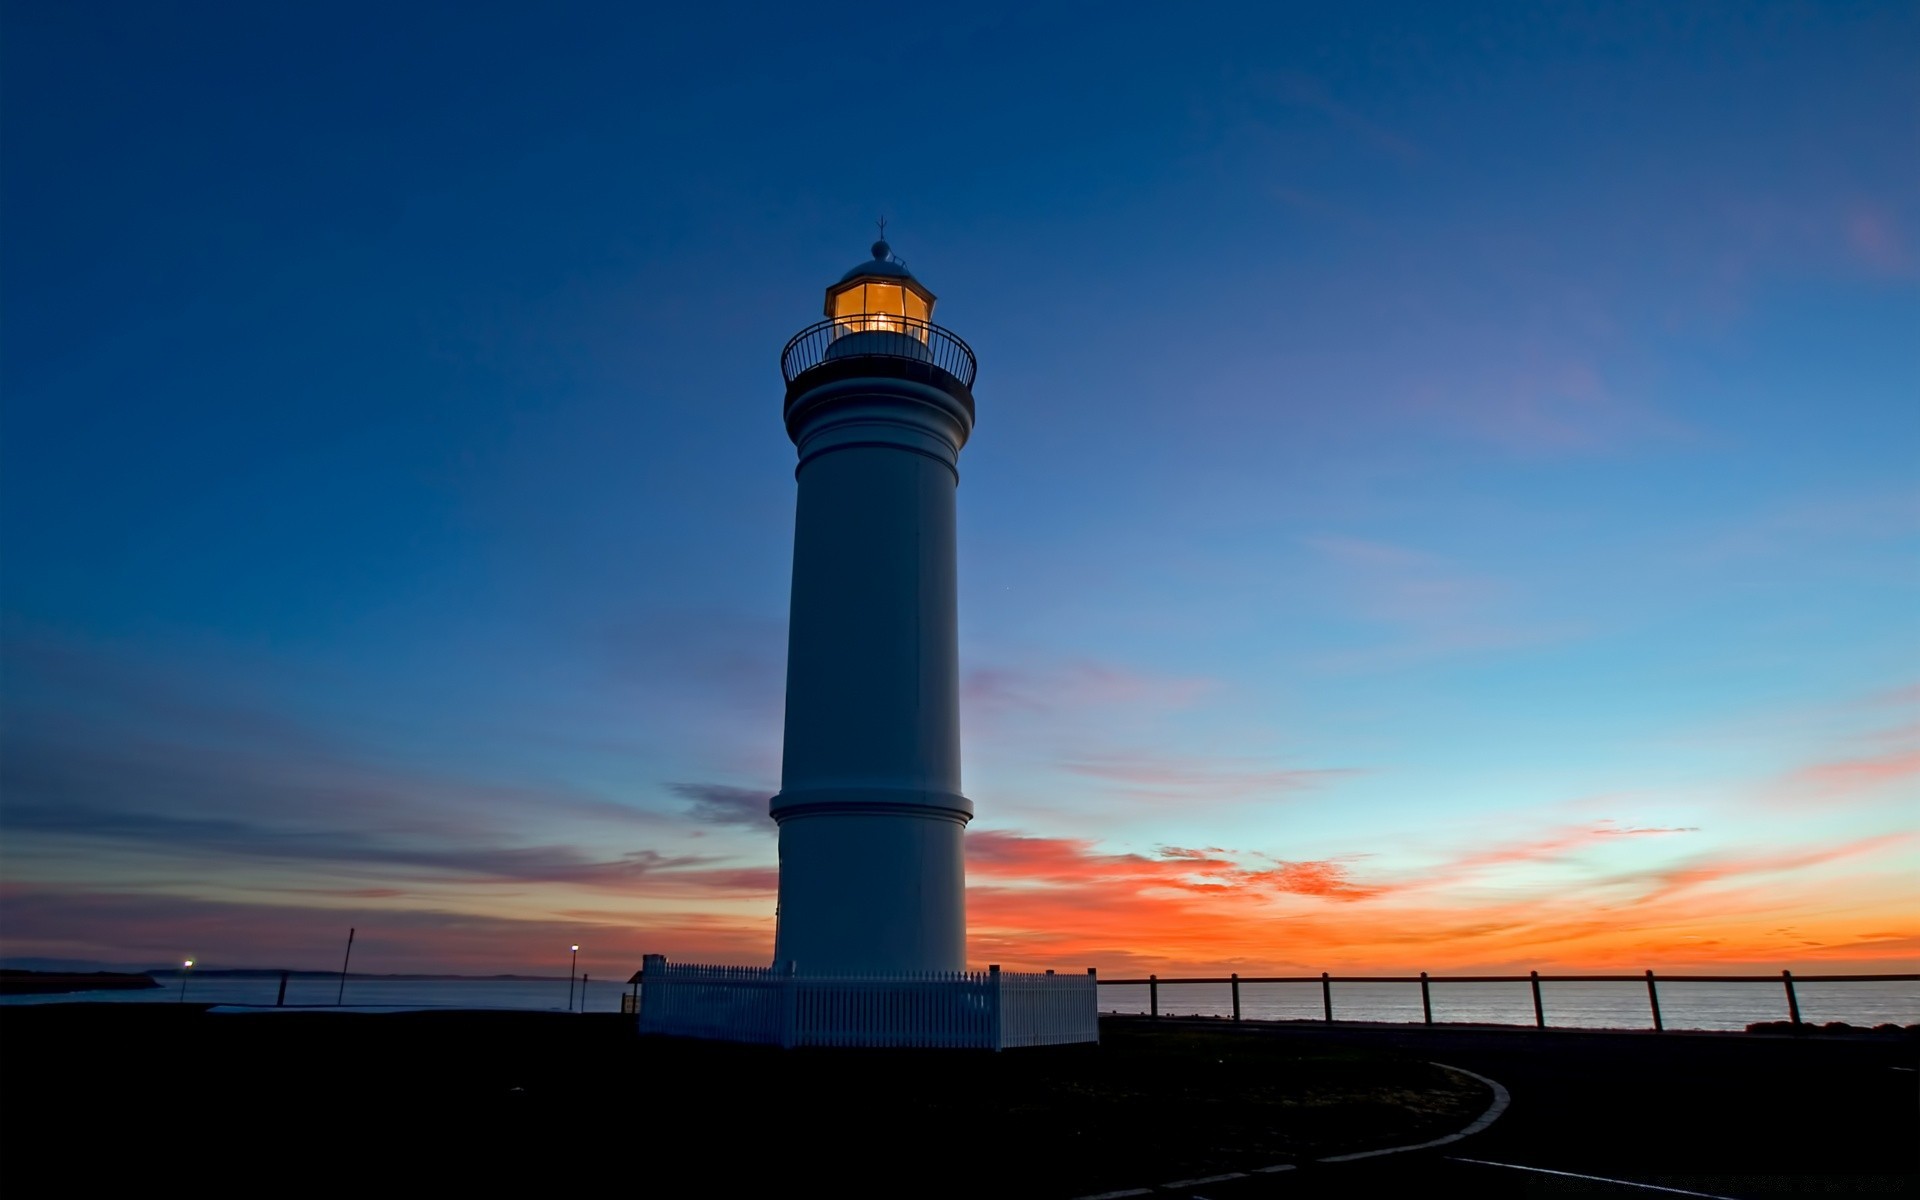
point(1173, 777)
point(1795, 526)
point(1075, 686)
point(1551, 847)
point(722, 804)
point(1314, 95)
point(151, 928)
point(1550, 406)
point(1438, 608)
point(1876, 241)
point(383, 854)
point(1847, 776)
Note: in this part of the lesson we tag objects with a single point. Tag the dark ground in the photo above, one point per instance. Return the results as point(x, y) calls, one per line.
point(542, 1098)
point(1725, 1114)
point(167, 1097)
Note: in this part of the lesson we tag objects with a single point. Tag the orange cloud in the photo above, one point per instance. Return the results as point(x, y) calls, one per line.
point(1858, 774)
point(1329, 879)
point(1047, 901)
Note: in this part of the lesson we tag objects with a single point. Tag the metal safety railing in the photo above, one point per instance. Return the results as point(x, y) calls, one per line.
point(877, 335)
point(1326, 981)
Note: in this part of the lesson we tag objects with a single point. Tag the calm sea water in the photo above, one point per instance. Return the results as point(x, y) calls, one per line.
point(533, 994)
point(1590, 1005)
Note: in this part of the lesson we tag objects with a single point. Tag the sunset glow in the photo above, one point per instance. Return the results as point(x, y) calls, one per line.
point(1444, 494)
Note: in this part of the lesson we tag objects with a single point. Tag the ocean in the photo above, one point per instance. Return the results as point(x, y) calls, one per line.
point(1584, 1005)
point(537, 995)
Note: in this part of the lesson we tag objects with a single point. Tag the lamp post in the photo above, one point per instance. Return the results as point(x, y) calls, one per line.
point(186, 969)
point(570, 968)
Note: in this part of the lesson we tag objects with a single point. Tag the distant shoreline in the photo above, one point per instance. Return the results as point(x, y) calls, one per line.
point(53, 983)
point(277, 972)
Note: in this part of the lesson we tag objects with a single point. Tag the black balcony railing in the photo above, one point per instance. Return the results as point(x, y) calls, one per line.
point(875, 335)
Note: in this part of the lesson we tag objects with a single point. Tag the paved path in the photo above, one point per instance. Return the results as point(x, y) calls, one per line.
point(1729, 1115)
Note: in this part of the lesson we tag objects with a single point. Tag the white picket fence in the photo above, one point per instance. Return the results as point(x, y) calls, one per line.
point(991, 1009)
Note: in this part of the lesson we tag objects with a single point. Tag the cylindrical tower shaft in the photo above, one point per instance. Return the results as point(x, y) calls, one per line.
point(872, 876)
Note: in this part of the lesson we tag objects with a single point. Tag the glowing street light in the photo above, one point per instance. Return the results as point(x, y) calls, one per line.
point(186, 969)
point(570, 969)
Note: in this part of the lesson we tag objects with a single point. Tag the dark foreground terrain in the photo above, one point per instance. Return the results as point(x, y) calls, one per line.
point(162, 1094)
point(170, 1099)
point(1658, 1114)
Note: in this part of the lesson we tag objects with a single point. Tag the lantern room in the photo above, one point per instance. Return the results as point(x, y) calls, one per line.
point(880, 296)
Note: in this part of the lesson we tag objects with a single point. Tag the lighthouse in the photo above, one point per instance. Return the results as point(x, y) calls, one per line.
point(870, 945)
point(879, 403)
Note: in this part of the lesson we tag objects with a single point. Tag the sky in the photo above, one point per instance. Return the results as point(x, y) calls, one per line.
point(1446, 492)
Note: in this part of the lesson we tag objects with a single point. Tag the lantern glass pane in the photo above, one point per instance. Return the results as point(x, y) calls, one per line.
point(851, 301)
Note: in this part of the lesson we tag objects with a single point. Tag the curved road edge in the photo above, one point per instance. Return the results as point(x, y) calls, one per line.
point(1501, 1098)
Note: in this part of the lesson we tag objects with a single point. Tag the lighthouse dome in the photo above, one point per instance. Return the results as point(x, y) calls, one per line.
point(880, 294)
point(881, 266)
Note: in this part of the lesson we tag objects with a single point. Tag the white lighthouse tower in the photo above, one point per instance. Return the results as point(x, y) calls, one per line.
point(871, 946)
point(879, 403)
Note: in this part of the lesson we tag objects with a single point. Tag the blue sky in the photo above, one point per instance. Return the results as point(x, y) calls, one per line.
point(1441, 471)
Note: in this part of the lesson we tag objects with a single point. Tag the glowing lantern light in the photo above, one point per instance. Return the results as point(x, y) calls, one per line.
point(880, 296)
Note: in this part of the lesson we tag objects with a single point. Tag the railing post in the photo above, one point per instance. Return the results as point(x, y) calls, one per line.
point(1426, 999)
point(653, 976)
point(1326, 995)
point(1539, 1011)
point(1093, 983)
point(1236, 995)
point(993, 989)
point(1793, 1001)
point(1653, 1001)
point(789, 1007)
point(1153, 996)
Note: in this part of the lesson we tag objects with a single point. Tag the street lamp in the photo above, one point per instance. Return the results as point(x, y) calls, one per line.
point(186, 968)
point(570, 968)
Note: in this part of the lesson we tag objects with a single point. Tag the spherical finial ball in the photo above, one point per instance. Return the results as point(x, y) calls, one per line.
point(881, 249)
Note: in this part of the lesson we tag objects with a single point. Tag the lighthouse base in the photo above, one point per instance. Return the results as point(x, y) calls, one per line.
point(982, 1010)
point(868, 888)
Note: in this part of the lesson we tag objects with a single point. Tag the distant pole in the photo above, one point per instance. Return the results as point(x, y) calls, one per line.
point(575, 962)
point(281, 1000)
point(1793, 1001)
point(186, 969)
point(341, 997)
point(1653, 1000)
point(1426, 999)
point(1326, 995)
point(1236, 995)
point(1539, 1011)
